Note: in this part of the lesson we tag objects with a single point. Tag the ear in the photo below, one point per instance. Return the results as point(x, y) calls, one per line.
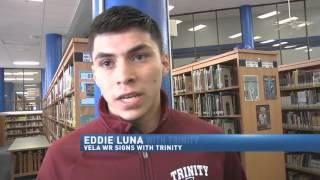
point(165, 64)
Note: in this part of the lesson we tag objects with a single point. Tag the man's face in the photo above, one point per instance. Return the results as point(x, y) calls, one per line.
point(128, 69)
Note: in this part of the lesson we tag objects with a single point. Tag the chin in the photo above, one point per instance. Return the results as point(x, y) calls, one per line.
point(130, 116)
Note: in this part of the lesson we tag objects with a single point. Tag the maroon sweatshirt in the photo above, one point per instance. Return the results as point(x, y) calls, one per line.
point(65, 161)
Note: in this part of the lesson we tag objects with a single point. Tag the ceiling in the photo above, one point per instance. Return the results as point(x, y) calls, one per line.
point(23, 24)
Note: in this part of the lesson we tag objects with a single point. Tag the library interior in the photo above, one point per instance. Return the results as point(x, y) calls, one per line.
point(245, 66)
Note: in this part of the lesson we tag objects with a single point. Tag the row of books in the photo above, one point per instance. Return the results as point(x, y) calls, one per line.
point(23, 118)
point(303, 160)
point(212, 77)
point(28, 161)
point(183, 104)
point(305, 97)
point(293, 175)
point(300, 77)
point(303, 119)
point(216, 104)
point(182, 84)
point(228, 125)
point(63, 86)
point(56, 130)
point(64, 111)
point(23, 124)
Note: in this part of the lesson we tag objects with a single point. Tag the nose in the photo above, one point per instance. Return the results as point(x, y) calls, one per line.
point(125, 74)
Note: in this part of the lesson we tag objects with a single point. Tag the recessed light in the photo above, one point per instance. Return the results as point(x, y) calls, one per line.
point(18, 79)
point(288, 20)
point(302, 47)
point(26, 63)
point(170, 7)
point(257, 37)
point(292, 46)
point(35, 0)
point(235, 36)
point(197, 28)
point(282, 43)
point(30, 85)
point(267, 41)
point(178, 21)
point(273, 13)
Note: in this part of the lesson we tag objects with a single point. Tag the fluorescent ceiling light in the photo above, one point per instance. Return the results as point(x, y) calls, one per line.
point(170, 7)
point(18, 79)
point(20, 73)
point(292, 46)
point(36, 0)
point(30, 85)
point(20, 92)
point(257, 37)
point(304, 24)
point(235, 36)
point(267, 41)
point(302, 47)
point(26, 63)
point(197, 28)
point(283, 21)
point(178, 21)
point(307, 50)
point(276, 45)
point(273, 13)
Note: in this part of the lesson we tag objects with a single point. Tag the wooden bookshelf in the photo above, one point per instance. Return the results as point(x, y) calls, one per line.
point(22, 124)
point(27, 154)
point(312, 171)
point(69, 102)
point(300, 87)
point(228, 75)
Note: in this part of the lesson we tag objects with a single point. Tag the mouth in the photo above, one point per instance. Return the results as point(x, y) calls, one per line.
point(130, 100)
point(129, 96)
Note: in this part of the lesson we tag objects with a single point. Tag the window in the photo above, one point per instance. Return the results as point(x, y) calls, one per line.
point(22, 89)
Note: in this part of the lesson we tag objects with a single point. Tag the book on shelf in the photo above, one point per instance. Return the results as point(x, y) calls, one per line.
point(228, 125)
point(216, 104)
point(182, 84)
point(302, 119)
point(212, 77)
point(300, 77)
point(293, 175)
point(183, 104)
point(306, 160)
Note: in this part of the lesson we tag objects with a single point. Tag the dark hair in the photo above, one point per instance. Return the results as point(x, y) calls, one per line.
point(122, 18)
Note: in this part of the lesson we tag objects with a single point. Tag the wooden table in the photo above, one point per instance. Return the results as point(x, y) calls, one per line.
point(27, 155)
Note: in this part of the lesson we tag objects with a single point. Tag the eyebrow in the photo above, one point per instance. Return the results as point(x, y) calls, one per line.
point(130, 51)
point(138, 48)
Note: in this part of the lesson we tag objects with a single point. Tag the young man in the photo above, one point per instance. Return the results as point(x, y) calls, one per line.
point(128, 66)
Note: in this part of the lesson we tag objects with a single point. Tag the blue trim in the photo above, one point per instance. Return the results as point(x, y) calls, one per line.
point(1, 89)
point(205, 142)
point(246, 27)
point(53, 55)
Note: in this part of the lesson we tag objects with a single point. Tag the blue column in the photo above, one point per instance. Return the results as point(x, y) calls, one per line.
point(157, 9)
point(246, 27)
point(43, 83)
point(97, 8)
point(1, 89)
point(53, 55)
point(9, 95)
